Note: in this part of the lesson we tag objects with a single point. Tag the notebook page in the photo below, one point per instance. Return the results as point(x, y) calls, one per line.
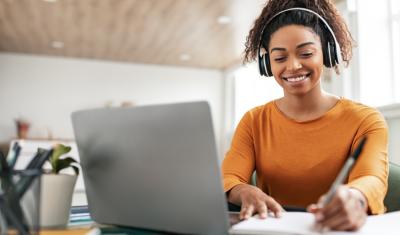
point(386, 224)
point(290, 223)
point(301, 223)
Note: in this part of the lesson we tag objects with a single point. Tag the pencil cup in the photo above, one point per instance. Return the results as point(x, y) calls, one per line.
point(20, 202)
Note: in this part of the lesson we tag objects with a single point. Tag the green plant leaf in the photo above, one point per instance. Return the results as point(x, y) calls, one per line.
point(58, 151)
point(58, 162)
point(65, 163)
point(76, 169)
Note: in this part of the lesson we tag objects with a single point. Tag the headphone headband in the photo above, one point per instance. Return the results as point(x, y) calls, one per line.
point(337, 59)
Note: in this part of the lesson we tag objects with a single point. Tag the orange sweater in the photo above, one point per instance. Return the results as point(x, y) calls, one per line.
point(296, 162)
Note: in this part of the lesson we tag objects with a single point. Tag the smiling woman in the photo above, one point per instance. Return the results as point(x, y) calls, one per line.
point(297, 144)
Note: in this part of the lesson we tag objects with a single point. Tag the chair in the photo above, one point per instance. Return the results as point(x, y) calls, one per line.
point(392, 199)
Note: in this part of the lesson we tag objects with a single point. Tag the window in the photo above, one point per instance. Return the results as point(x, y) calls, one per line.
point(395, 20)
point(375, 54)
point(252, 90)
point(378, 51)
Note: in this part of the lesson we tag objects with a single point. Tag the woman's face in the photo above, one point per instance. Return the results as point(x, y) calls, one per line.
point(296, 59)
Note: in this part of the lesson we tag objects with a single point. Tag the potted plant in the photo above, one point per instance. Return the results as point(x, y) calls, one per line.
point(57, 188)
point(22, 128)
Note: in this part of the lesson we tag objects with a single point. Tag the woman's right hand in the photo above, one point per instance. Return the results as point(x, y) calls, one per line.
point(253, 201)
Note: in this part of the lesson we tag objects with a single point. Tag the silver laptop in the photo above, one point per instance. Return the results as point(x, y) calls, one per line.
point(152, 167)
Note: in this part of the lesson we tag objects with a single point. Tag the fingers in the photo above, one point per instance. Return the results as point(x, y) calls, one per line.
point(262, 210)
point(334, 207)
point(344, 222)
point(353, 225)
point(274, 207)
point(347, 217)
point(343, 212)
point(246, 211)
point(254, 201)
point(313, 208)
point(259, 207)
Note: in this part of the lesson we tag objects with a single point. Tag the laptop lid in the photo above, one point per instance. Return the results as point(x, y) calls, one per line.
point(152, 167)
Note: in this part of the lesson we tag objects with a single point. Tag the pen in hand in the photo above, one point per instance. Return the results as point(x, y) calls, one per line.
point(348, 165)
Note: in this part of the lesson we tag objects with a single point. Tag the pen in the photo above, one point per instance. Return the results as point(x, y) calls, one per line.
point(3, 163)
point(39, 159)
point(344, 171)
point(13, 155)
point(36, 164)
point(9, 214)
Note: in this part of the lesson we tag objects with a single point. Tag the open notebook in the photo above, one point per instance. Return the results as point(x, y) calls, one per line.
point(300, 223)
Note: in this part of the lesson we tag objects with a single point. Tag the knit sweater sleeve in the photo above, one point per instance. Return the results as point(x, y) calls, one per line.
point(370, 173)
point(239, 162)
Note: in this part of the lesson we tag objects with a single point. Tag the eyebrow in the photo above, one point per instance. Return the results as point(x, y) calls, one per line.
point(297, 47)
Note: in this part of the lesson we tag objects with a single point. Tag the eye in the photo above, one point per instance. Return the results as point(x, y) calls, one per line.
point(306, 54)
point(279, 59)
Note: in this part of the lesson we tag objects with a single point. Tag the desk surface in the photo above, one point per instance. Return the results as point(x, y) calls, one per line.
point(71, 231)
point(104, 230)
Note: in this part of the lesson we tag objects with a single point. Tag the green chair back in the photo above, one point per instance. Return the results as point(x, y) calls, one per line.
point(392, 199)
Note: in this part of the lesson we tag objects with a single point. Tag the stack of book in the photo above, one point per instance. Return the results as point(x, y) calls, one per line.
point(79, 216)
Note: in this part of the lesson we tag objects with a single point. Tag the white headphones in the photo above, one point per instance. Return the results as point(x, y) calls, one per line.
point(332, 55)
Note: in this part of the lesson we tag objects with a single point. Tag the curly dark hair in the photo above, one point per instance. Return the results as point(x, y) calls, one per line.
point(325, 8)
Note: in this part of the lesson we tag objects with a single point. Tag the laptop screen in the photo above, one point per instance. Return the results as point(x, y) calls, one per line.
point(152, 167)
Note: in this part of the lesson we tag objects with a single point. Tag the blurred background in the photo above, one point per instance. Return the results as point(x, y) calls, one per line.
point(59, 56)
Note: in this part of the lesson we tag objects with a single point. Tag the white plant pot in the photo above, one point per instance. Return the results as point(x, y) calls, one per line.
point(56, 197)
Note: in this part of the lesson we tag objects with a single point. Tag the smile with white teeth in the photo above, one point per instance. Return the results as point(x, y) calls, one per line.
point(296, 79)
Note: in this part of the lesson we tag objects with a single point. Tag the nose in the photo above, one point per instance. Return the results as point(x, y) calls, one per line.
point(293, 64)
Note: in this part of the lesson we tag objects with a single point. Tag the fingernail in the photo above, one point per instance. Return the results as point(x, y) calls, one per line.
point(263, 215)
point(278, 214)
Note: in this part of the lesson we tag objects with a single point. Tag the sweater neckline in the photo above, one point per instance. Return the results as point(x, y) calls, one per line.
point(327, 114)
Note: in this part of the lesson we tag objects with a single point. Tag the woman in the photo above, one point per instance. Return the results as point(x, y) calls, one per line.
point(297, 144)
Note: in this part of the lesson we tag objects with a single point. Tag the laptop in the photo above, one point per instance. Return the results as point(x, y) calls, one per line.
point(152, 167)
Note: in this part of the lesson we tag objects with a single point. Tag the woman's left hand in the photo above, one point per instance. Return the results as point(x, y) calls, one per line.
point(347, 211)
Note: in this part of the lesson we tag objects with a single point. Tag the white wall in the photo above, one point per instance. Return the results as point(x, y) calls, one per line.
point(45, 90)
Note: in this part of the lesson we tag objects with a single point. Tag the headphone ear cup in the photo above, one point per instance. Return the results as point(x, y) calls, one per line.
point(334, 55)
point(261, 65)
point(330, 55)
point(325, 55)
point(267, 65)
